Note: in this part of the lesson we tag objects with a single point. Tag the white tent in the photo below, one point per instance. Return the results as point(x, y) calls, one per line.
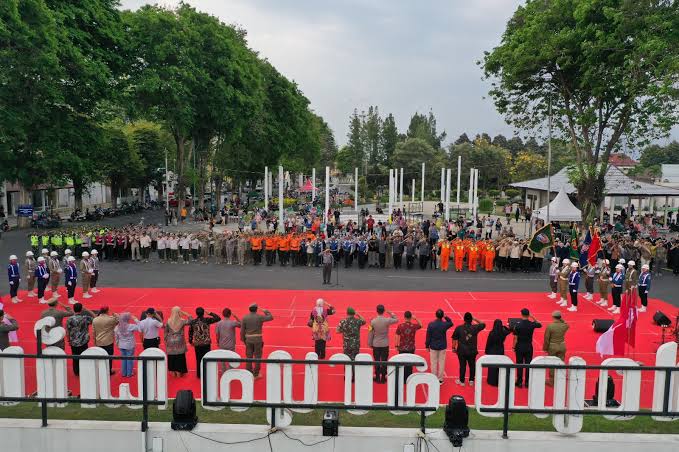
point(560, 209)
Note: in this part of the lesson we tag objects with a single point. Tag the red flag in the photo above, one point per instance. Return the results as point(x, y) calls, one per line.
point(629, 305)
point(594, 248)
point(622, 332)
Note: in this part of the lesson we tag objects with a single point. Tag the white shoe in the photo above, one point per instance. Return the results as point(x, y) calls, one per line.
point(551, 295)
point(86, 295)
point(18, 300)
point(615, 311)
point(42, 301)
point(72, 301)
point(589, 296)
point(603, 303)
point(15, 300)
point(31, 295)
point(572, 309)
point(56, 295)
point(642, 309)
point(611, 308)
point(94, 290)
point(563, 304)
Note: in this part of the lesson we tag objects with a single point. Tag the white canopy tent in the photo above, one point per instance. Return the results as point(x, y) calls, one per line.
point(560, 209)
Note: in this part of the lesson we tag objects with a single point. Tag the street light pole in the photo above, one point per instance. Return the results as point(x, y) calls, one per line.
point(549, 158)
point(167, 185)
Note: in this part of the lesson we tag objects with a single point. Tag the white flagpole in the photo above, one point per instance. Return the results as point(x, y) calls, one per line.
point(443, 184)
point(281, 226)
point(356, 189)
point(400, 199)
point(266, 188)
point(470, 195)
point(313, 184)
point(422, 190)
point(391, 190)
point(413, 190)
point(459, 169)
point(447, 200)
point(327, 195)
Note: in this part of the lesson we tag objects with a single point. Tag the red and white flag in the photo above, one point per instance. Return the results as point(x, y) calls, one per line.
point(623, 330)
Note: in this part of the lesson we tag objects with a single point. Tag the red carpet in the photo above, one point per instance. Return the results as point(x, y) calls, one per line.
point(289, 332)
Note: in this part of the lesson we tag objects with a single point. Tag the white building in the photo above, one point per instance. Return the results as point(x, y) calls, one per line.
point(61, 199)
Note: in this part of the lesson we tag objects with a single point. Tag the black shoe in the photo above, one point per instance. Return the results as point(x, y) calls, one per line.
point(518, 384)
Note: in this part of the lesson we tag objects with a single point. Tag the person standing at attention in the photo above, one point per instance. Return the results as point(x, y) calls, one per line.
point(437, 343)
point(251, 335)
point(124, 335)
point(379, 341)
point(555, 341)
point(225, 331)
point(523, 344)
point(175, 342)
point(495, 345)
point(465, 344)
point(328, 261)
point(103, 328)
point(405, 338)
point(350, 329)
point(78, 330)
point(149, 328)
point(199, 334)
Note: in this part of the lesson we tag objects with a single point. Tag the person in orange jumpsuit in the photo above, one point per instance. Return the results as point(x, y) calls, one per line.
point(472, 257)
point(283, 249)
point(271, 245)
point(295, 241)
point(490, 257)
point(459, 250)
point(256, 246)
point(444, 246)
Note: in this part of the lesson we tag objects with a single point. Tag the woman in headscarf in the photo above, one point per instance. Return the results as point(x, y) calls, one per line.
point(175, 342)
point(495, 345)
point(318, 322)
point(124, 335)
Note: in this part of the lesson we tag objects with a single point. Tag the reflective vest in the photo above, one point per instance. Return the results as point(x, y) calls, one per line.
point(69, 241)
point(34, 241)
point(56, 240)
point(45, 240)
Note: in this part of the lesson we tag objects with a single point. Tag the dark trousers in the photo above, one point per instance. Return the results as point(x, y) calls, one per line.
point(616, 292)
point(70, 289)
point(383, 260)
point(397, 260)
point(253, 350)
point(319, 347)
point(407, 370)
point(201, 350)
point(381, 354)
point(642, 295)
point(524, 355)
point(327, 272)
point(42, 284)
point(77, 351)
point(410, 259)
point(109, 350)
point(574, 297)
point(269, 257)
point(14, 287)
point(423, 262)
point(94, 278)
point(151, 343)
point(467, 360)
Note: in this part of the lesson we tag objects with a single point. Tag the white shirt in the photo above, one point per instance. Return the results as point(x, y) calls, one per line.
point(149, 327)
point(161, 243)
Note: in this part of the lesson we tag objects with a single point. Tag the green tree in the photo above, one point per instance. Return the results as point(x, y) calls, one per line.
point(356, 142)
point(373, 144)
point(410, 154)
point(424, 127)
point(514, 145)
point(119, 161)
point(608, 68)
point(653, 156)
point(462, 139)
point(501, 141)
point(389, 137)
point(528, 165)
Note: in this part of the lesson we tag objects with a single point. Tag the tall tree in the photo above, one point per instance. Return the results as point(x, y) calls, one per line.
point(607, 67)
point(463, 139)
point(515, 144)
point(424, 127)
point(372, 134)
point(389, 137)
point(501, 141)
point(356, 143)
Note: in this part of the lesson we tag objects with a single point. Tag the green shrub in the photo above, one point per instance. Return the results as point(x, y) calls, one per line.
point(485, 205)
point(512, 192)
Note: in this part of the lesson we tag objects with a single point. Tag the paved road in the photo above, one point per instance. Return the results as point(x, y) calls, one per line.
point(155, 274)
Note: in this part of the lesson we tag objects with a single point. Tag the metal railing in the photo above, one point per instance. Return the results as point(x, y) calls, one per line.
point(397, 365)
point(506, 410)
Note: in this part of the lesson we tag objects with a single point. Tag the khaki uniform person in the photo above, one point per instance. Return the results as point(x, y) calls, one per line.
point(54, 266)
point(31, 264)
point(555, 341)
point(86, 274)
point(563, 282)
point(604, 280)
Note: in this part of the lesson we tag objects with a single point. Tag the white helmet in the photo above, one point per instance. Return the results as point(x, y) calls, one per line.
point(95, 252)
point(621, 261)
point(620, 266)
point(607, 262)
point(67, 251)
point(566, 261)
point(631, 263)
point(574, 265)
point(86, 254)
point(555, 259)
point(54, 254)
point(13, 257)
point(29, 253)
point(645, 267)
point(44, 251)
point(70, 259)
point(41, 259)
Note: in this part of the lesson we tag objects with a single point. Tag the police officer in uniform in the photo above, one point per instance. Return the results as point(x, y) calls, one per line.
point(554, 343)
point(71, 279)
point(55, 271)
point(95, 263)
point(563, 282)
point(14, 277)
point(644, 286)
point(573, 285)
point(604, 280)
point(30, 273)
point(523, 344)
point(41, 274)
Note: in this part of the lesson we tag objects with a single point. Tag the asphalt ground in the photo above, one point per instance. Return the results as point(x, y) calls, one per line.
point(160, 275)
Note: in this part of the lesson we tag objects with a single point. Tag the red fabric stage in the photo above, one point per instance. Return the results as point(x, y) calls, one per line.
point(288, 330)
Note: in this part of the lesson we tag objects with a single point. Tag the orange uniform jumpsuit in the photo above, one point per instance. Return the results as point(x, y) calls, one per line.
point(256, 246)
point(445, 255)
point(270, 249)
point(459, 256)
point(490, 258)
point(473, 257)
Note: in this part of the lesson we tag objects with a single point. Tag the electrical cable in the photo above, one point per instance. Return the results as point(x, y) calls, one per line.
point(232, 443)
point(305, 444)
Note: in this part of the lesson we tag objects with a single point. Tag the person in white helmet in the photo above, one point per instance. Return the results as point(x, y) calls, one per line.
point(573, 285)
point(604, 280)
point(590, 274)
point(14, 275)
point(554, 278)
point(631, 278)
point(622, 262)
point(71, 279)
point(30, 265)
point(45, 253)
point(563, 282)
point(94, 259)
point(55, 269)
point(617, 283)
point(64, 261)
point(85, 274)
point(644, 286)
point(42, 275)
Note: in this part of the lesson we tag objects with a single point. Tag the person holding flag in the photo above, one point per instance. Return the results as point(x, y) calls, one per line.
point(541, 240)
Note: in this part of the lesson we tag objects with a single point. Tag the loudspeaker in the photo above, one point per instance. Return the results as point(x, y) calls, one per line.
point(601, 325)
point(660, 319)
point(513, 321)
point(184, 411)
point(456, 424)
point(330, 423)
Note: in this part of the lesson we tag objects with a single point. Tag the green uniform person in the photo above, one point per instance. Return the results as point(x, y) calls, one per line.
point(555, 341)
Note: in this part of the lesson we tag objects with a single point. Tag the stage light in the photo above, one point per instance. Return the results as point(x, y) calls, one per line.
point(330, 423)
point(456, 423)
point(184, 411)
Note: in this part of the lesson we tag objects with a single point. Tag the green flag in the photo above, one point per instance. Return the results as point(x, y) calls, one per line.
point(574, 253)
point(543, 238)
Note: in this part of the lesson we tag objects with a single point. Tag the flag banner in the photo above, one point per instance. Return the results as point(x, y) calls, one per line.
point(574, 254)
point(584, 249)
point(543, 238)
point(594, 248)
point(623, 330)
point(629, 304)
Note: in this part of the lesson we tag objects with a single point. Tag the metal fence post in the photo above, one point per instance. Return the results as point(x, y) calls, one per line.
point(396, 386)
point(145, 406)
point(666, 392)
point(505, 413)
point(43, 404)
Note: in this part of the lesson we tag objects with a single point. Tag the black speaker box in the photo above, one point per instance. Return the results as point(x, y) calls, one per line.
point(184, 411)
point(660, 319)
point(330, 423)
point(601, 325)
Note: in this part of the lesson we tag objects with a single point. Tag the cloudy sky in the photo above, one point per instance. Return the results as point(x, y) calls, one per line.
point(401, 55)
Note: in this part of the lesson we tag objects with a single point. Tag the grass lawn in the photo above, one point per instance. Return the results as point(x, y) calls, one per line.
point(526, 422)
